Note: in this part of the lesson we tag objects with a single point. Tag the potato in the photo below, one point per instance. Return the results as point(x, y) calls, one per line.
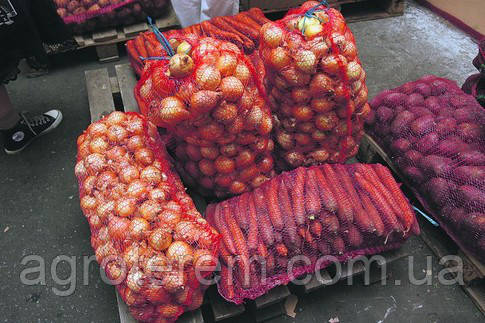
point(414, 99)
point(414, 174)
point(439, 87)
point(451, 146)
point(445, 126)
point(427, 143)
point(395, 99)
point(470, 131)
point(400, 146)
point(436, 165)
point(423, 89)
point(438, 190)
point(470, 175)
point(423, 125)
point(432, 103)
point(413, 157)
point(371, 118)
point(420, 111)
point(471, 197)
point(384, 114)
point(474, 158)
point(400, 125)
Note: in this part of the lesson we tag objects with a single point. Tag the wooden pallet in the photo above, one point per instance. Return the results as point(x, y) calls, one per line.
point(108, 93)
point(353, 10)
point(106, 41)
point(436, 239)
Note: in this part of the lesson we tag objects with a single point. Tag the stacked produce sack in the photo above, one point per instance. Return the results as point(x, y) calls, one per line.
point(435, 134)
point(316, 85)
point(210, 99)
point(293, 223)
point(475, 84)
point(90, 15)
point(241, 29)
point(145, 230)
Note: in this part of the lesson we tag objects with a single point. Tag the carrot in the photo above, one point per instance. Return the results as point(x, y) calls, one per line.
point(130, 47)
point(372, 213)
point(391, 184)
point(226, 283)
point(297, 196)
point(262, 250)
point(212, 31)
point(316, 228)
point(326, 195)
point(281, 250)
point(360, 217)
point(284, 203)
point(389, 217)
point(344, 210)
point(312, 197)
point(241, 208)
point(223, 230)
point(352, 236)
point(140, 46)
point(220, 23)
point(257, 15)
point(264, 224)
point(253, 224)
point(330, 224)
point(338, 245)
point(245, 25)
point(272, 204)
point(151, 50)
point(324, 248)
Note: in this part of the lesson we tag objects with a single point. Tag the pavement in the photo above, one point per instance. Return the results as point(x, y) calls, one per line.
point(41, 218)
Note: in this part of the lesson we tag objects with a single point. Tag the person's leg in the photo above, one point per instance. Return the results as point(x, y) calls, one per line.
point(8, 116)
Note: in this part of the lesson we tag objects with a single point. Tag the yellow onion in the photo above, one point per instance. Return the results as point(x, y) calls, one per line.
point(302, 113)
point(105, 209)
point(353, 71)
point(158, 194)
point(258, 181)
point(138, 228)
point(118, 228)
point(285, 140)
point(174, 42)
point(326, 121)
point(117, 133)
point(313, 30)
point(272, 34)
point(137, 189)
point(184, 48)
point(151, 174)
point(211, 131)
point(180, 253)
point(350, 51)
point(227, 46)
point(244, 158)
point(106, 180)
point(224, 165)
point(247, 99)
point(181, 65)
point(302, 139)
point(225, 113)
point(306, 127)
point(146, 90)
point(266, 164)
point(160, 239)
point(318, 135)
point(237, 187)
point(125, 207)
point(306, 61)
point(319, 155)
point(254, 117)
point(294, 158)
point(80, 170)
point(169, 218)
point(88, 184)
point(115, 117)
point(210, 152)
point(236, 126)
point(173, 281)
point(330, 64)
point(280, 83)
point(203, 101)
point(206, 167)
point(295, 77)
point(88, 202)
point(324, 104)
point(135, 279)
point(193, 152)
point(300, 95)
point(185, 92)
point(97, 129)
point(321, 84)
point(242, 73)
point(149, 209)
point(128, 174)
point(304, 22)
point(208, 77)
point(232, 88)
point(135, 142)
point(95, 163)
point(265, 126)
point(172, 110)
point(226, 64)
point(144, 156)
point(279, 58)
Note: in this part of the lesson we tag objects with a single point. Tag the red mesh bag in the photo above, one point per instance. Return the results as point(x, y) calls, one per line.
point(435, 135)
point(145, 230)
point(311, 213)
point(316, 85)
point(211, 101)
point(88, 15)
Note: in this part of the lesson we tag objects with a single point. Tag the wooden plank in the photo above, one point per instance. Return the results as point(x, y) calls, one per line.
point(269, 312)
point(127, 82)
point(125, 316)
point(275, 295)
point(107, 53)
point(191, 317)
point(134, 30)
point(105, 35)
point(477, 294)
point(100, 97)
point(222, 309)
point(317, 282)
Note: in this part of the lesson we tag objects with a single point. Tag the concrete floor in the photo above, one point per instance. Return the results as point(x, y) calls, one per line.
point(39, 206)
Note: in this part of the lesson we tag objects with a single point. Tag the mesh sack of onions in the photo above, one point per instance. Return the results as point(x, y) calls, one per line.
point(303, 220)
point(145, 230)
point(211, 100)
point(316, 85)
point(435, 135)
point(89, 15)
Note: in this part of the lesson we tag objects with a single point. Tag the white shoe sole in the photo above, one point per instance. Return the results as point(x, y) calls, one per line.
point(46, 131)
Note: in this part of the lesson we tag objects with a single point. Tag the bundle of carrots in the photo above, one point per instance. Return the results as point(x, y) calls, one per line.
point(241, 29)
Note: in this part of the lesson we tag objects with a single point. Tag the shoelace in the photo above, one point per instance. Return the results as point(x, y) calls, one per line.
point(35, 121)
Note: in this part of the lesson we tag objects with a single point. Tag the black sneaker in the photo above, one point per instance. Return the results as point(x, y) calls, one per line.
point(27, 129)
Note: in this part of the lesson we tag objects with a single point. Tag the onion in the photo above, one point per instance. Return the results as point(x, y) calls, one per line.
point(353, 71)
point(265, 126)
point(172, 110)
point(88, 203)
point(306, 61)
point(313, 30)
point(306, 127)
point(209, 152)
point(211, 131)
point(150, 208)
point(285, 140)
point(180, 253)
point(295, 77)
point(125, 207)
point(173, 281)
point(118, 228)
point(319, 155)
point(232, 88)
point(135, 143)
point(300, 95)
point(203, 101)
point(144, 156)
point(326, 121)
point(302, 113)
point(184, 48)
point(97, 129)
point(95, 163)
point(280, 83)
point(155, 266)
point(229, 150)
point(226, 64)
point(279, 58)
point(245, 158)
point(138, 228)
point(294, 158)
point(151, 174)
point(169, 218)
point(258, 181)
point(160, 239)
point(208, 77)
point(206, 167)
point(254, 117)
point(135, 279)
point(106, 180)
point(266, 164)
point(242, 73)
point(302, 139)
point(248, 173)
point(135, 126)
point(272, 34)
point(319, 47)
point(83, 149)
point(225, 113)
point(181, 65)
point(79, 170)
point(117, 153)
point(115, 117)
point(237, 187)
point(137, 189)
point(318, 135)
point(330, 64)
point(236, 126)
point(207, 182)
point(321, 84)
point(224, 165)
point(128, 174)
point(89, 183)
point(117, 133)
point(223, 180)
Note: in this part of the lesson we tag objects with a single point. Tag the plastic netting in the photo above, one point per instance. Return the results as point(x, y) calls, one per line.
point(211, 100)
point(145, 230)
point(435, 135)
point(291, 224)
point(241, 29)
point(90, 15)
point(316, 85)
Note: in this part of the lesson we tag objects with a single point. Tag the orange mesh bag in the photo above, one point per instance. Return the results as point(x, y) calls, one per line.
point(316, 85)
point(302, 221)
point(211, 100)
point(145, 230)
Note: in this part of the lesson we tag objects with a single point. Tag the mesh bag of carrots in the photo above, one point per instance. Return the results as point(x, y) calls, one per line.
point(209, 97)
point(145, 230)
point(316, 85)
point(241, 29)
point(294, 223)
point(88, 15)
point(435, 135)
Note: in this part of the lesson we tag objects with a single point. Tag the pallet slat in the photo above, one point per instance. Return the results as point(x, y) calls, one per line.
point(99, 93)
point(126, 83)
point(275, 295)
point(220, 308)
